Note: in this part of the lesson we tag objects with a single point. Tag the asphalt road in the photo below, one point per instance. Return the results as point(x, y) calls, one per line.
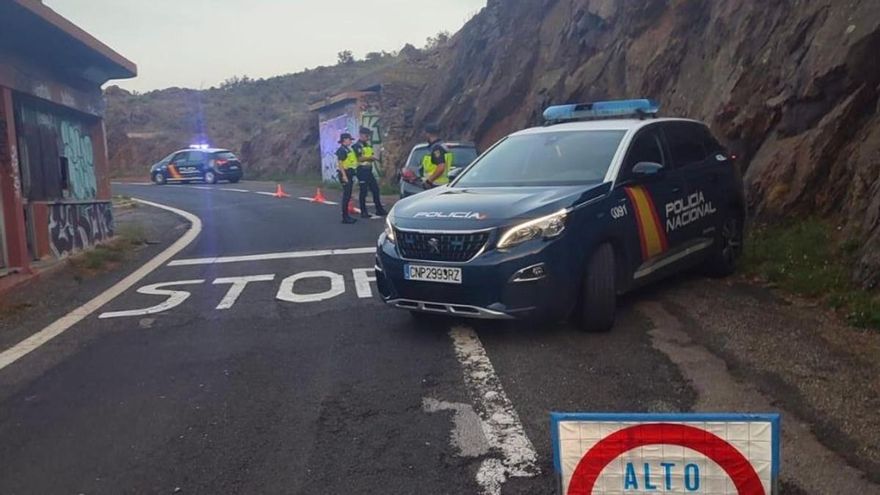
point(304, 383)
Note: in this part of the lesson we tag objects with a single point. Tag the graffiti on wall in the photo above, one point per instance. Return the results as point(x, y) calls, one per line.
point(371, 121)
point(329, 132)
point(73, 227)
point(81, 160)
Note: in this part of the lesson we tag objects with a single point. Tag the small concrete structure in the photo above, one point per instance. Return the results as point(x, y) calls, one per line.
point(54, 178)
point(347, 112)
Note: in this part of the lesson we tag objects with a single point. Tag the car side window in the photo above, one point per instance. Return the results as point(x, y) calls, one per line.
point(686, 145)
point(179, 158)
point(646, 147)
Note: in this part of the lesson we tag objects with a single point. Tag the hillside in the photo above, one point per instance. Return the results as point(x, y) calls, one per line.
point(265, 120)
point(791, 87)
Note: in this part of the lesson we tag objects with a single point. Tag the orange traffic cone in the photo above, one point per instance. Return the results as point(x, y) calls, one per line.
point(279, 192)
point(319, 197)
point(351, 209)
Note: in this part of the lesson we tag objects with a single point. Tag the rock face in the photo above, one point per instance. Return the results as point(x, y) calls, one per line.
point(791, 87)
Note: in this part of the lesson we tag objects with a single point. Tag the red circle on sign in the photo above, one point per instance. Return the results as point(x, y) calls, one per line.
point(613, 446)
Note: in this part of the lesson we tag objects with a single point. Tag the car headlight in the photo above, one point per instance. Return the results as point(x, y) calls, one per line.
point(544, 227)
point(389, 229)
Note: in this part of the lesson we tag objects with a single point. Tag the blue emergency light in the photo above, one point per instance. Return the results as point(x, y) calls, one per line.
point(601, 110)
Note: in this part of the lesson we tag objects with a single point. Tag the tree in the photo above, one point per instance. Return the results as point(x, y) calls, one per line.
point(345, 57)
point(373, 56)
point(437, 40)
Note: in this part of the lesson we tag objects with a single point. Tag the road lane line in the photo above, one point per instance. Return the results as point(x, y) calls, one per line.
point(264, 193)
point(203, 188)
point(272, 256)
point(234, 189)
point(501, 423)
point(31, 343)
point(312, 200)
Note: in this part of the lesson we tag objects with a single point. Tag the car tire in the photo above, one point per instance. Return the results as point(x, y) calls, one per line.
point(159, 179)
point(723, 258)
point(234, 180)
point(210, 177)
point(599, 295)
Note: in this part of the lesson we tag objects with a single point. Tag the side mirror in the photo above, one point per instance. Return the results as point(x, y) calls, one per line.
point(646, 170)
point(454, 172)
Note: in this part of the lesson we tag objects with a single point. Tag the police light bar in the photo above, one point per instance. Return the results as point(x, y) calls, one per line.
point(199, 146)
point(602, 109)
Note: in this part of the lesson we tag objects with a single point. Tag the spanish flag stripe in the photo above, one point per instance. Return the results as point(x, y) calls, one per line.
point(174, 173)
point(651, 234)
point(639, 221)
point(661, 232)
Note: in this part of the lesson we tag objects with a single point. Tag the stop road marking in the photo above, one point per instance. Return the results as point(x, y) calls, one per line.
point(286, 291)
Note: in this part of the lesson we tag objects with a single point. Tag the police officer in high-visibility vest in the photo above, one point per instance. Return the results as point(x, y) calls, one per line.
point(438, 161)
point(363, 149)
point(347, 162)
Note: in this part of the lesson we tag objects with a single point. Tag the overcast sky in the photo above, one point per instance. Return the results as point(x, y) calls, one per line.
point(199, 43)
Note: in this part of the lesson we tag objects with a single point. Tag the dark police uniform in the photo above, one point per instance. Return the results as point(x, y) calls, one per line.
point(366, 180)
point(348, 159)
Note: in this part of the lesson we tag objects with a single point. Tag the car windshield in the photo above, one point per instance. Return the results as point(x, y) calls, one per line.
point(461, 157)
point(546, 159)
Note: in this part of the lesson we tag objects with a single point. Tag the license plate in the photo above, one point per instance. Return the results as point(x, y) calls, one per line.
point(233, 167)
point(432, 274)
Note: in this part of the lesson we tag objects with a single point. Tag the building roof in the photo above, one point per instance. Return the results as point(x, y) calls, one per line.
point(31, 28)
point(340, 98)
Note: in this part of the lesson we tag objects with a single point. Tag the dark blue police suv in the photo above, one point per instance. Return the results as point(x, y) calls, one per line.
point(556, 221)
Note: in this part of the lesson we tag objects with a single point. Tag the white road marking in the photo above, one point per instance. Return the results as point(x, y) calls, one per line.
point(264, 193)
point(467, 429)
point(27, 345)
point(273, 256)
point(203, 188)
point(234, 189)
point(310, 200)
point(285, 291)
point(362, 279)
point(175, 298)
point(501, 423)
point(238, 285)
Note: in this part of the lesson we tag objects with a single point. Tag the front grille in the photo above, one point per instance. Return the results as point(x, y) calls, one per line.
point(441, 247)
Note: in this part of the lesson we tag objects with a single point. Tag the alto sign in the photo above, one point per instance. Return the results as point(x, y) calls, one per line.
point(597, 454)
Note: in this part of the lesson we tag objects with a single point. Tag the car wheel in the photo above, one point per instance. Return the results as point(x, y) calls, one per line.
point(722, 261)
point(599, 294)
point(159, 178)
point(210, 177)
point(235, 180)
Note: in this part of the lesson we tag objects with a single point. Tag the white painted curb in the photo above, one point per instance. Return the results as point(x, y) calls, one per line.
point(27, 345)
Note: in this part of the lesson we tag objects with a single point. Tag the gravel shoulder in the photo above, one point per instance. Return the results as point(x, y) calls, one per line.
point(810, 364)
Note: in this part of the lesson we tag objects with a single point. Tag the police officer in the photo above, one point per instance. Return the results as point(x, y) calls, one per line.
point(438, 161)
point(347, 162)
point(363, 149)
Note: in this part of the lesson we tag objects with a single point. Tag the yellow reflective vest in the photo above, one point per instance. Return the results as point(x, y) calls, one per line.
point(429, 167)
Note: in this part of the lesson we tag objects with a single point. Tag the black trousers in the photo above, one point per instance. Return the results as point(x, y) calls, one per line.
point(346, 191)
point(367, 182)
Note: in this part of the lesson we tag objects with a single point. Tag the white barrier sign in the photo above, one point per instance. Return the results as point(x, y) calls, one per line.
point(620, 454)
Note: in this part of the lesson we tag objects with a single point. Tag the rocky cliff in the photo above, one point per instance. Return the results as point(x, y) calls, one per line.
point(791, 86)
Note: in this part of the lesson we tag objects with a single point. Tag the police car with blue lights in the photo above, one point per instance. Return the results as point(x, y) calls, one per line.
point(556, 221)
point(199, 162)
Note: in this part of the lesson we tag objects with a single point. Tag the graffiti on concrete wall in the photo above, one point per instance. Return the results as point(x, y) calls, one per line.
point(81, 160)
point(329, 132)
point(73, 227)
